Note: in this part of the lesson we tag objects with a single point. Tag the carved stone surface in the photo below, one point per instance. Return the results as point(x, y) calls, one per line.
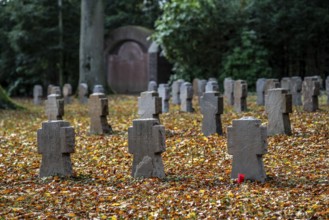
point(83, 93)
point(296, 90)
point(247, 142)
point(54, 107)
point(186, 96)
point(98, 112)
point(211, 104)
point(260, 89)
point(98, 89)
point(146, 141)
point(240, 95)
point(229, 91)
point(56, 140)
point(149, 105)
point(152, 86)
point(327, 89)
point(37, 94)
point(164, 94)
point(67, 93)
point(212, 86)
point(176, 91)
point(311, 91)
point(278, 106)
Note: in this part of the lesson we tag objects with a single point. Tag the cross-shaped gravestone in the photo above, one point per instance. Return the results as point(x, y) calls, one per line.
point(311, 91)
point(212, 86)
point(186, 96)
point(149, 105)
point(56, 143)
point(164, 94)
point(211, 104)
point(98, 89)
point(327, 89)
point(271, 84)
point(278, 106)
point(260, 89)
point(54, 107)
point(240, 95)
point(98, 111)
point(37, 94)
point(229, 90)
point(247, 142)
point(67, 92)
point(286, 83)
point(83, 93)
point(296, 89)
point(176, 91)
point(152, 86)
point(146, 141)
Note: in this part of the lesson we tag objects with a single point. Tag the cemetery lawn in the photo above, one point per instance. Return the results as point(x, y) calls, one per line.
point(197, 185)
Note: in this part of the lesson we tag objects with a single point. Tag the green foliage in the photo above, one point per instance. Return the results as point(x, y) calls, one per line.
point(6, 102)
point(247, 61)
point(196, 34)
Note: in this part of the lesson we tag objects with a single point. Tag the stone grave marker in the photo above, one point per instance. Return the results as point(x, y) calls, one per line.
point(98, 112)
point(247, 142)
point(229, 90)
point(212, 86)
point(320, 80)
point(83, 93)
point(164, 94)
point(176, 91)
point(286, 83)
point(195, 86)
point(186, 96)
point(296, 89)
point(327, 89)
point(54, 107)
point(240, 95)
point(212, 79)
point(146, 141)
point(56, 140)
point(149, 105)
point(98, 89)
point(271, 84)
point(67, 93)
point(55, 90)
point(260, 90)
point(278, 106)
point(37, 94)
point(152, 86)
point(211, 104)
point(311, 91)
point(49, 89)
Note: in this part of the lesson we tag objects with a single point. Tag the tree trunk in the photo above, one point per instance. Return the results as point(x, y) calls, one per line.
point(91, 43)
point(6, 102)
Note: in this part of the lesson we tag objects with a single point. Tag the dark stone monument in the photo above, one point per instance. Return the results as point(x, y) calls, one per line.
point(176, 91)
point(260, 89)
point(211, 104)
point(152, 86)
point(98, 89)
point(311, 91)
point(278, 106)
point(37, 94)
point(83, 93)
point(229, 90)
point(164, 94)
point(327, 89)
point(186, 96)
point(54, 107)
point(67, 93)
point(296, 90)
point(247, 142)
point(149, 105)
point(146, 141)
point(240, 95)
point(56, 142)
point(98, 111)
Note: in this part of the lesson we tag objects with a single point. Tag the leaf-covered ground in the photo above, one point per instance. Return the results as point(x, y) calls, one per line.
point(198, 183)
